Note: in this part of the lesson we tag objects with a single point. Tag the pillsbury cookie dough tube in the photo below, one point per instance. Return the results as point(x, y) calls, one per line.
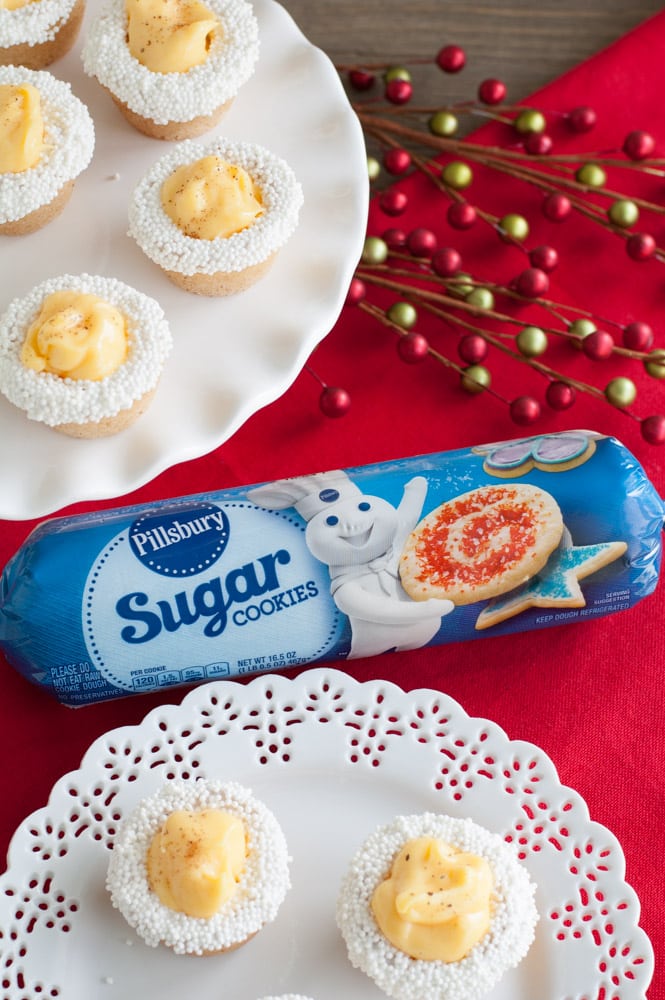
point(502, 538)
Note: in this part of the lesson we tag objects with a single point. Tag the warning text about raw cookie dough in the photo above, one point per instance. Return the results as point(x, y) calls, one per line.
point(79, 676)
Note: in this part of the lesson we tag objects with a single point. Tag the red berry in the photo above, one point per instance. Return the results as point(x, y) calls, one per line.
point(334, 401)
point(360, 79)
point(356, 292)
point(582, 119)
point(394, 238)
point(560, 395)
point(412, 347)
point(421, 242)
point(472, 348)
point(538, 143)
point(556, 207)
point(393, 202)
point(638, 145)
point(525, 410)
point(637, 336)
point(461, 215)
point(598, 345)
point(397, 161)
point(446, 262)
point(532, 283)
point(451, 59)
point(492, 91)
point(545, 258)
point(640, 246)
point(653, 429)
point(399, 91)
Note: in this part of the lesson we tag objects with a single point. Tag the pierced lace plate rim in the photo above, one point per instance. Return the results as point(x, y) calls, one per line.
point(275, 718)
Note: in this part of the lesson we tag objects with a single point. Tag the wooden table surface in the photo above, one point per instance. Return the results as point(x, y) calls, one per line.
point(525, 44)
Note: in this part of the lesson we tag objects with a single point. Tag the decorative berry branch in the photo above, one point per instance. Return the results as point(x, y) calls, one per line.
point(472, 314)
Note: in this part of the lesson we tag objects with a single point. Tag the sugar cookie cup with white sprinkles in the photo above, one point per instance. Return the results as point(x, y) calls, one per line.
point(214, 215)
point(200, 866)
point(438, 907)
point(34, 33)
point(173, 67)
point(47, 139)
point(83, 354)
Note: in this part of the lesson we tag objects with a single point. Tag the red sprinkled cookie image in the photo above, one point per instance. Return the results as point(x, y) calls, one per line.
point(481, 544)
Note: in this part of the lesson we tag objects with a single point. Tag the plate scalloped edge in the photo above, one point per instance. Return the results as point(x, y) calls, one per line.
point(378, 727)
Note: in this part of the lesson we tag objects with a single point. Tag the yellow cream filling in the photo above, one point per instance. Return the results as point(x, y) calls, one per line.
point(15, 4)
point(21, 127)
point(76, 335)
point(170, 36)
point(211, 198)
point(196, 859)
point(435, 904)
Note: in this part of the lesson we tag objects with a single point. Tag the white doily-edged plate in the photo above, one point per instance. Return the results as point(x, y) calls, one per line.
point(333, 758)
point(232, 355)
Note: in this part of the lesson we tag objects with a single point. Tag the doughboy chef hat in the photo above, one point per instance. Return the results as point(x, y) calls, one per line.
point(308, 494)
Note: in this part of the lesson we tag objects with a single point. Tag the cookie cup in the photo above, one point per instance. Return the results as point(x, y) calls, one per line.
point(173, 106)
point(259, 893)
point(32, 198)
point(224, 265)
point(40, 32)
point(513, 918)
point(82, 407)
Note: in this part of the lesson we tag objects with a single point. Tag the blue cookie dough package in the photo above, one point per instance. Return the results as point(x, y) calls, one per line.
point(516, 535)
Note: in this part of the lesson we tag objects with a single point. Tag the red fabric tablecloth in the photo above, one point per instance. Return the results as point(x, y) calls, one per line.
point(590, 695)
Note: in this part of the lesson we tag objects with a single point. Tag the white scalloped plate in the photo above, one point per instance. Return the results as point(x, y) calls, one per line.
point(333, 758)
point(232, 356)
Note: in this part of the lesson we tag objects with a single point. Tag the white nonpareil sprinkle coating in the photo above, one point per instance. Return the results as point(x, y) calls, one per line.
point(512, 927)
point(54, 400)
point(34, 22)
point(165, 244)
point(69, 141)
point(259, 894)
point(174, 97)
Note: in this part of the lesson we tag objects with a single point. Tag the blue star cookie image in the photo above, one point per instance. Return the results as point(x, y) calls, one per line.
point(557, 585)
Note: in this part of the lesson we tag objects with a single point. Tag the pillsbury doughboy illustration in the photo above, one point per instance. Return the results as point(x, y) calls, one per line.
point(360, 539)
